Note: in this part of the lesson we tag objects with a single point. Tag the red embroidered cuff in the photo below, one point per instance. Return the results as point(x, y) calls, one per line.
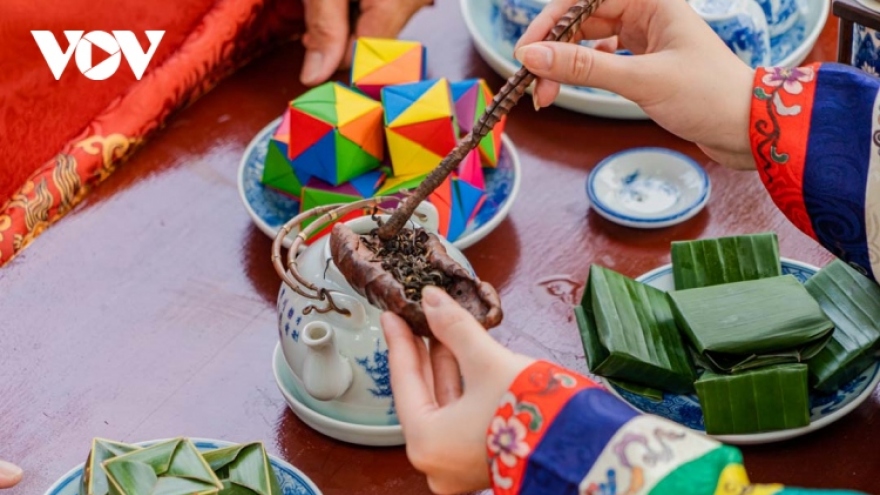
point(782, 106)
point(527, 409)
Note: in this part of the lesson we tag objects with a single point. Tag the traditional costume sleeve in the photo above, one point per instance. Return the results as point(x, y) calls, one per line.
point(815, 134)
point(556, 432)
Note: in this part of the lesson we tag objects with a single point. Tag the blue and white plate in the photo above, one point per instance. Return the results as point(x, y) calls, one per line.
point(648, 188)
point(270, 210)
point(291, 479)
point(686, 410)
point(482, 18)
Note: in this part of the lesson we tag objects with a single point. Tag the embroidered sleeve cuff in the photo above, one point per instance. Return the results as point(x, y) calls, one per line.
point(531, 404)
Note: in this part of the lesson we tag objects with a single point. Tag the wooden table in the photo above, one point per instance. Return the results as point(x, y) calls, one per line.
point(149, 311)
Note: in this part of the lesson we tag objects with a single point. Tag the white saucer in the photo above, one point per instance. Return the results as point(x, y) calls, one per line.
point(480, 17)
point(373, 436)
point(648, 188)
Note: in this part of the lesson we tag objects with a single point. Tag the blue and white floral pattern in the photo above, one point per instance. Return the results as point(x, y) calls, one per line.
point(686, 410)
point(747, 36)
point(291, 480)
point(781, 14)
point(866, 49)
point(275, 208)
point(376, 367)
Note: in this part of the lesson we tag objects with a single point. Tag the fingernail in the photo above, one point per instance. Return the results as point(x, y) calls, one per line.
point(535, 57)
point(432, 296)
point(534, 88)
point(9, 470)
point(312, 66)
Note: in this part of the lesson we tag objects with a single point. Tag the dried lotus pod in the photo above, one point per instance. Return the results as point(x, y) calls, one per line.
point(391, 276)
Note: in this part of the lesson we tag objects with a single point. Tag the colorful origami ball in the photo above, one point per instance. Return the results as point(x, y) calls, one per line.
point(317, 192)
point(419, 125)
point(336, 134)
point(377, 63)
point(471, 170)
point(471, 99)
point(278, 172)
point(457, 203)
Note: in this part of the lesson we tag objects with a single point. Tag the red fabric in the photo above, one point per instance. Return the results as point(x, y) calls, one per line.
point(59, 138)
point(779, 134)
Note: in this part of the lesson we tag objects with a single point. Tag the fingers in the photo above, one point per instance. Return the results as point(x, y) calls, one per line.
point(10, 474)
point(412, 394)
point(447, 375)
point(545, 93)
point(326, 39)
point(567, 63)
point(457, 329)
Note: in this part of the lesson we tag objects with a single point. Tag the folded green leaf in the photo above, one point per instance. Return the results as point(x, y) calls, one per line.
point(725, 260)
point(649, 393)
point(852, 302)
point(767, 399)
point(244, 470)
point(746, 325)
point(629, 333)
point(174, 467)
point(94, 480)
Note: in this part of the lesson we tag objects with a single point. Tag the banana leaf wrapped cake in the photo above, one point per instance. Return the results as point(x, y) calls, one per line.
point(852, 302)
point(629, 332)
point(752, 341)
point(747, 325)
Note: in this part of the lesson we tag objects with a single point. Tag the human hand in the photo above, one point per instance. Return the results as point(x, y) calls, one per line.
point(10, 475)
point(329, 36)
point(445, 432)
point(682, 74)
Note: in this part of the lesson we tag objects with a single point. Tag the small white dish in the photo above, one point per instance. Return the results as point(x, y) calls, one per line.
point(482, 18)
point(685, 408)
point(291, 480)
point(648, 188)
point(373, 436)
point(270, 209)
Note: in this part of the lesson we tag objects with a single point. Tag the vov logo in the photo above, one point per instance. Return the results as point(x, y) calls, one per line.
point(120, 44)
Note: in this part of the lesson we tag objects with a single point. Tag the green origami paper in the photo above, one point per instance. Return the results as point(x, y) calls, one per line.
point(174, 467)
point(94, 479)
point(244, 470)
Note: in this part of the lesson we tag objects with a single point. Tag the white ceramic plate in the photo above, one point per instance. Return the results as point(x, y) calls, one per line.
point(685, 409)
point(270, 209)
point(481, 18)
point(648, 188)
point(374, 436)
point(291, 479)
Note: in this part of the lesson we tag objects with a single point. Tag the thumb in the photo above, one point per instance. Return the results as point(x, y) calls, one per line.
point(569, 63)
point(10, 474)
point(326, 37)
point(457, 329)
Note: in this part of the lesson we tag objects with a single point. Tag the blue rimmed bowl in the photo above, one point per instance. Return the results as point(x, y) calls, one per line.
point(648, 188)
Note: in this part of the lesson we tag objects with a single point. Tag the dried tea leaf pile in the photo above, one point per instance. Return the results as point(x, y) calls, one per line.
point(406, 258)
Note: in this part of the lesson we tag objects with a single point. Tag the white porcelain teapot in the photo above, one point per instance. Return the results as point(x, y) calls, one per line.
point(330, 335)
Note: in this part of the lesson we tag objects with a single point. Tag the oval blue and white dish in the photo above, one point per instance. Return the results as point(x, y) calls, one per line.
point(491, 35)
point(291, 479)
point(270, 209)
point(648, 188)
point(686, 410)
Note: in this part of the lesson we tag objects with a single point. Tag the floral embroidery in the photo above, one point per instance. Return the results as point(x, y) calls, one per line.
point(526, 410)
point(507, 440)
point(789, 79)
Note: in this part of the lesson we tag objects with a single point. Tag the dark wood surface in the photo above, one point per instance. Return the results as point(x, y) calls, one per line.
point(149, 311)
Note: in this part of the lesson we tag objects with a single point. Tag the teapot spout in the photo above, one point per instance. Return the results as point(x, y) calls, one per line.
point(326, 373)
